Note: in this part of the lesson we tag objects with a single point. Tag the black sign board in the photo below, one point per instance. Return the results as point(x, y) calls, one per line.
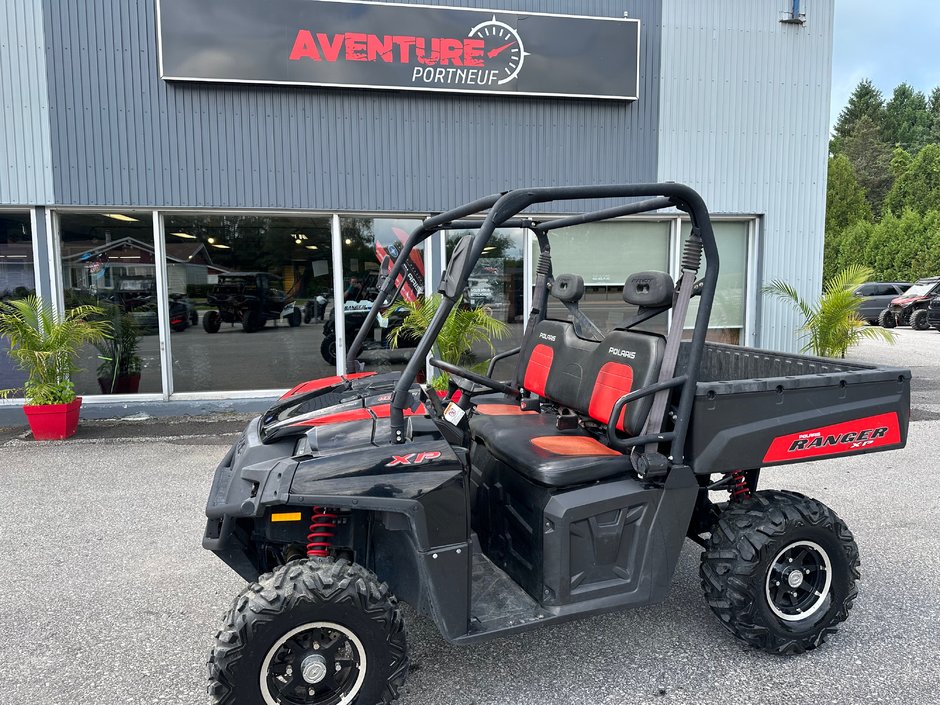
point(399, 47)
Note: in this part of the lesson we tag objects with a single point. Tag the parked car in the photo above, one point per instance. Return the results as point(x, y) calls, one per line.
point(252, 299)
point(910, 308)
point(876, 297)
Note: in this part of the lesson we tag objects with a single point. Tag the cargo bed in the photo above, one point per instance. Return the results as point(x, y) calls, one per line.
point(755, 408)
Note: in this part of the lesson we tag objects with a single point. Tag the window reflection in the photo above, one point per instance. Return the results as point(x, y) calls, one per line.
point(108, 261)
point(252, 293)
point(17, 280)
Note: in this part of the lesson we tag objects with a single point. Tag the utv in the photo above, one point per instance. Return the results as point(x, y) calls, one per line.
point(910, 308)
point(249, 298)
point(137, 295)
point(565, 492)
point(390, 317)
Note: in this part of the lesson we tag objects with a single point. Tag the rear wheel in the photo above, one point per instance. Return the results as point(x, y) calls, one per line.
point(194, 317)
point(887, 319)
point(295, 318)
point(211, 322)
point(780, 571)
point(311, 633)
point(919, 320)
point(252, 321)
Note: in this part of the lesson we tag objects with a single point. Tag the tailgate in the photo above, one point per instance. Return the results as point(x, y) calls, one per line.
point(753, 423)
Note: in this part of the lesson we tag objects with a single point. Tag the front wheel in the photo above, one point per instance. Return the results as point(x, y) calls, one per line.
point(311, 633)
point(211, 322)
point(919, 320)
point(295, 318)
point(780, 571)
point(887, 319)
point(328, 349)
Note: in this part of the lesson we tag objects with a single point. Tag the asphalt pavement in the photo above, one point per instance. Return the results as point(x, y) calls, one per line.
point(111, 599)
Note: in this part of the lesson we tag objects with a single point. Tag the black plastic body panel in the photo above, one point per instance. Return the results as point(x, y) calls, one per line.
point(747, 398)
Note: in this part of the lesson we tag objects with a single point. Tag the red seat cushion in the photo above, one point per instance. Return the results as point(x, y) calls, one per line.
point(572, 445)
point(613, 381)
point(538, 369)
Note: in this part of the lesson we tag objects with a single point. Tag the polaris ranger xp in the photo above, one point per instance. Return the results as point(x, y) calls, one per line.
point(564, 492)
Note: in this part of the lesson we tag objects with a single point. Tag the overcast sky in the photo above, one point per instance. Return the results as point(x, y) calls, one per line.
point(888, 41)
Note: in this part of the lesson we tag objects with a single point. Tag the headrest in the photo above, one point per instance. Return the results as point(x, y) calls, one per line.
point(649, 289)
point(568, 288)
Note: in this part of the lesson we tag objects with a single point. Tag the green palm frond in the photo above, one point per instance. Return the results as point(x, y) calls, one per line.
point(464, 329)
point(45, 345)
point(832, 325)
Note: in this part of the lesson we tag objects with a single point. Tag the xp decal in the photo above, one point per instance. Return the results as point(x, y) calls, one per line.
point(850, 437)
point(394, 46)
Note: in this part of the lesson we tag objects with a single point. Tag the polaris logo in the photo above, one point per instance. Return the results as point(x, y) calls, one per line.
point(629, 354)
point(413, 458)
point(547, 336)
point(856, 440)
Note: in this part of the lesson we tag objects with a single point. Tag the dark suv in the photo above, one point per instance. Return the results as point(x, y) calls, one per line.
point(910, 308)
point(876, 297)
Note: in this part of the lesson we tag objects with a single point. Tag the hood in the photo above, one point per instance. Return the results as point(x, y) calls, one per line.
point(908, 300)
point(356, 399)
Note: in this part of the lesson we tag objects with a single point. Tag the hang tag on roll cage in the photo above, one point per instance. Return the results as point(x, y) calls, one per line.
point(454, 414)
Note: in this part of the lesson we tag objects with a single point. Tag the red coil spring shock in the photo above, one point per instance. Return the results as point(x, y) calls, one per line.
point(740, 489)
point(322, 527)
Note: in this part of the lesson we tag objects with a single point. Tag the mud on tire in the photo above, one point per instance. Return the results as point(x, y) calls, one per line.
point(293, 597)
point(749, 544)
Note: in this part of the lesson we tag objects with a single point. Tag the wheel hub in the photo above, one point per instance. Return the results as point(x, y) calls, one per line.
point(795, 578)
point(799, 581)
point(313, 668)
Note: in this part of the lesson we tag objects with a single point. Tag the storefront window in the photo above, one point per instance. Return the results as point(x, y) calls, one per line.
point(366, 241)
point(17, 280)
point(605, 254)
point(496, 284)
point(726, 324)
point(248, 297)
point(108, 261)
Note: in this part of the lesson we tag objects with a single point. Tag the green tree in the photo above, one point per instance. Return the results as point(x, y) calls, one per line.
point(832, 325)
point(846, 204)
point(900, 162)
point(933, 107)
point(907, 121)
point(871, 159)
point(918, 188)
point(866, 100)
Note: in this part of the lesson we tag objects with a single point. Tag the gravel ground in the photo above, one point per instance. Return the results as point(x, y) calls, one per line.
point(112, 600)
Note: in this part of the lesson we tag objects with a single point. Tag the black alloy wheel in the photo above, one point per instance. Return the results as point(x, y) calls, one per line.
point(328, 349)
point(313, 632)
point(211, 321)
point(780, 571)
point(887, 319)
point(919, 320)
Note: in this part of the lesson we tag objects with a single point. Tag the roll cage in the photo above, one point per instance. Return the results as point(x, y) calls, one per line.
point(502, 210)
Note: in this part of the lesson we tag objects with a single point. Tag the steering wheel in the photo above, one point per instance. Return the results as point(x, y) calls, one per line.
point(459, 374)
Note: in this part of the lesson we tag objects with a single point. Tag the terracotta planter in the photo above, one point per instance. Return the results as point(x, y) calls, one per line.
point(124, 384)
point(53, 422)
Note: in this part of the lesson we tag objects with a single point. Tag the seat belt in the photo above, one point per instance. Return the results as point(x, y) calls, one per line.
point(691, 262)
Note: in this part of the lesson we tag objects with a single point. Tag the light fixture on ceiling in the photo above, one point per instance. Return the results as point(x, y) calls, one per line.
point(222, 247)
point(312, 247)
point(211, 241)
point(121, 216)
point(348, 241)
point(184, 235)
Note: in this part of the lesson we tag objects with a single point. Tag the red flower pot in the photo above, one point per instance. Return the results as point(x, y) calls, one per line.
point(124, 384)
point(53, 422)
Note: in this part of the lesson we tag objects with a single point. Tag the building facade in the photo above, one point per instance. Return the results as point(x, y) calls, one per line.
point(163, 196)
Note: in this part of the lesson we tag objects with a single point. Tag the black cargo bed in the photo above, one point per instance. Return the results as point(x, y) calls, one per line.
point(755, 408)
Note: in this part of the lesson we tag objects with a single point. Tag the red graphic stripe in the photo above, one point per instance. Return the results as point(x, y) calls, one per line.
point(850, 437)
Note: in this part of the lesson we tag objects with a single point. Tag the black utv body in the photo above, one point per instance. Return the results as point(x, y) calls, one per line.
point(912, 307)
point(252, 299)
point(564, 492)
point(137, 295)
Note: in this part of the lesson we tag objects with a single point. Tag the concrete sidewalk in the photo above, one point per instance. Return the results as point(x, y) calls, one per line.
point(111, 599)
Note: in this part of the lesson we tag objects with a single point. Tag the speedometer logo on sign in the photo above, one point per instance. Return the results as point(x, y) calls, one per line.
point(492, 53)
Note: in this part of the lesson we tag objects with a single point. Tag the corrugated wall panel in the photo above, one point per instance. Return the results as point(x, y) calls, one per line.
point(25, 146)
point(744, 117)
point(121, 136)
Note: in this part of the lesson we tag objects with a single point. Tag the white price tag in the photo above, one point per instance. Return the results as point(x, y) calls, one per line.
point(453, 413)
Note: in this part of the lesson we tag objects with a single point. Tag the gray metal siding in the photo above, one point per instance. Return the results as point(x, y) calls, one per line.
point(121, 136)
point(25, 147)
point(744, 118)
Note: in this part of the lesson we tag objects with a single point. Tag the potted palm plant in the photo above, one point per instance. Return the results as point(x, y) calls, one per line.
point(45, 345)
point(464, 328)
point(119, 371)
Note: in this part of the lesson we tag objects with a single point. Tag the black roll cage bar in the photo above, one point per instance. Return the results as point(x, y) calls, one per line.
point(501, 211)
